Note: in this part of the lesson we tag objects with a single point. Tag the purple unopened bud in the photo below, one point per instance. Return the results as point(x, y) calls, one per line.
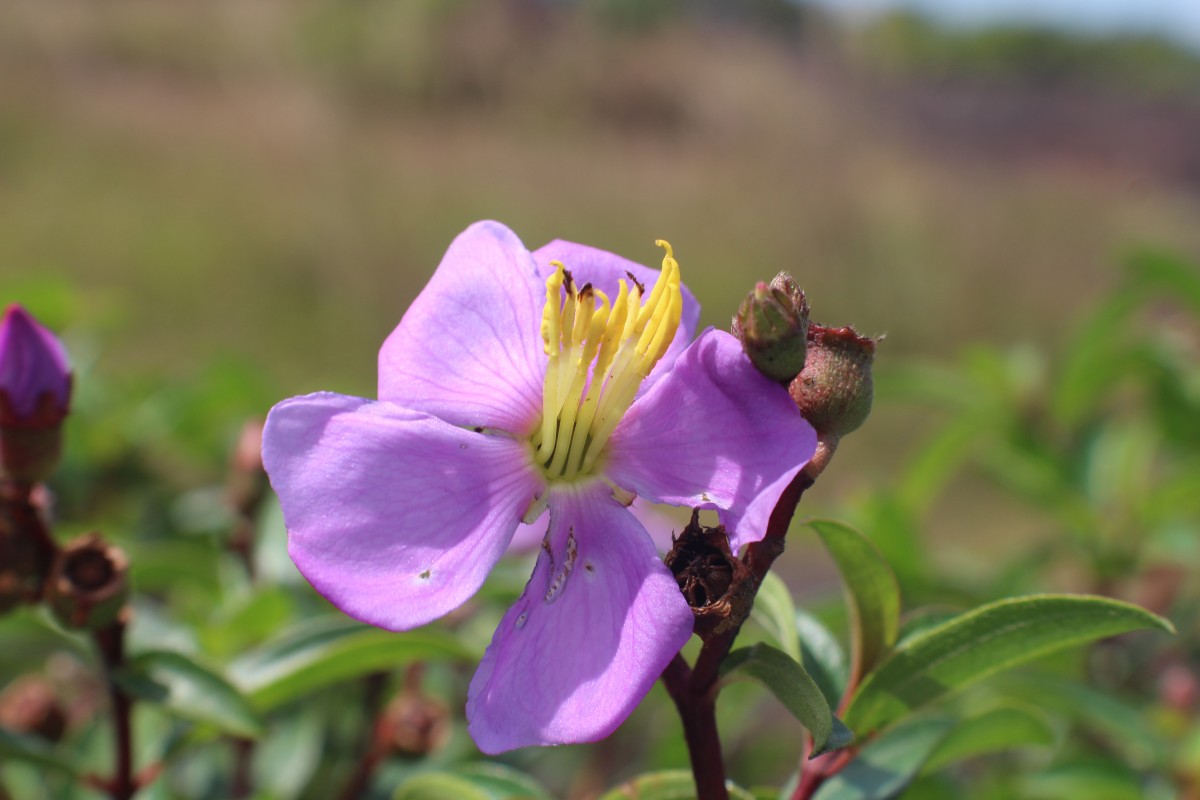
point(35, 395)
point(835, 389)
point(772, 323)
point(35, 375)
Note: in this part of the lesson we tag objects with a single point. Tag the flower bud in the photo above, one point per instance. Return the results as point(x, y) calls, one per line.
point(413, 724)
point(35, 395)
point(30, 705)
point(835, 389)
point(89, 583)
point(772, 324)
point(246, 485)
point(26, 549)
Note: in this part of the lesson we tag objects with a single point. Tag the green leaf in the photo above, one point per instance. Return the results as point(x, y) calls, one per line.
point(823, 658)
point(1123, 727)
point(775, 611)
point(482, 781)
point(439, 786)
point(322, 653)
point(1169, 274)
point(993, 731)
point(871, 589)
point(977, 644)
point(503, 781)
point(189, 690)
point(794, 687)
point(667, 785)
point(32, 750)
point(1093, 780)
point(886, 766)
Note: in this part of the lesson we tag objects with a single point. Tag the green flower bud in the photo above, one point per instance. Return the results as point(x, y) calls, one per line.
point(772, 324)
point(835, 389)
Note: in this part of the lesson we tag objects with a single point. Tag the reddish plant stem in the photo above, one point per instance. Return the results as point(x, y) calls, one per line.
point(698, 715)
point(375, 744)
point(360, 780)
point(819, 770)
point(241, 783)
point(694, 690)
point(111, 643)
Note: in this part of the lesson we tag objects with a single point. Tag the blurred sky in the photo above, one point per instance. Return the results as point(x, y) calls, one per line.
point(1178, 19)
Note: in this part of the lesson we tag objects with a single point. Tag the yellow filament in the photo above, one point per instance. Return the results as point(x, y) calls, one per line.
point(598, 356)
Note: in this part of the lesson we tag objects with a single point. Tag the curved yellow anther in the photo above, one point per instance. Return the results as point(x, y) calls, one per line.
point(598, 356)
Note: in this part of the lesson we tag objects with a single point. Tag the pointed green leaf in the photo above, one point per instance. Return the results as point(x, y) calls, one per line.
point(824, 658)
point(775, 611)
point(887, 765)
point(439, 786)
point(993, 731)
point(32, 750)
point(1095, 780)
point(503, 781)
point(673, 784)
point(327, 652)
point(482, 781)
point(977, 644)
point(190, 690)
point(794, 687)
point(871, 589)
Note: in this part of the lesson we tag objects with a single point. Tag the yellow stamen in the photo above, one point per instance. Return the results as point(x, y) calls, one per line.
point(597, 359)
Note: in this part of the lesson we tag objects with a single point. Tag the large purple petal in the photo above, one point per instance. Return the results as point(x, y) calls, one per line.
point(469, 348)
point(599, 620)
point(395, 516)
point(713, 433)
point(603, 269)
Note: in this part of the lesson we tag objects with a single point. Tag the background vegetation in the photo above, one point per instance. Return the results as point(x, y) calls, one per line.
point(222, 204)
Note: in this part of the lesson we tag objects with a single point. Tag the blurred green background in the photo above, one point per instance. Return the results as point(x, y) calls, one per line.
point(238, 200)
point(223, 203)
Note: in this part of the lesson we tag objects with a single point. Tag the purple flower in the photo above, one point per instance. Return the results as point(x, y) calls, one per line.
point(35, 375)
point(519, 382)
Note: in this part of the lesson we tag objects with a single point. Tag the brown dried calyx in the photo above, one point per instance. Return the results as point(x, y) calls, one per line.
point(89, 585)
point(413, 724)
point(717, 585)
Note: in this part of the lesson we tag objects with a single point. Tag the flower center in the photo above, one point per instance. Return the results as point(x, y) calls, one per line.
point(599, 355)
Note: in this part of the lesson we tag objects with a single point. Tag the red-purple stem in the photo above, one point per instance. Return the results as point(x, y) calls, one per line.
point(694, 689)
point(111, 643)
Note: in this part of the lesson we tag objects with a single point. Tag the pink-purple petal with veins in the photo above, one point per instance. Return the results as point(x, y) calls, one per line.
point(469, 348)
point(713, 433)
point(396, 517)
point(598, 622)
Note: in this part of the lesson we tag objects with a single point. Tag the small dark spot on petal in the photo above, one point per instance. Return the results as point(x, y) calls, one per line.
point(478, 429)
point(425, 575)
point(588, 566)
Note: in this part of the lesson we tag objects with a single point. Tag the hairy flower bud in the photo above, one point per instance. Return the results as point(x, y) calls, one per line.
point(772, 324)
point(35, 395)
point(88, 585)
point(835, 389)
